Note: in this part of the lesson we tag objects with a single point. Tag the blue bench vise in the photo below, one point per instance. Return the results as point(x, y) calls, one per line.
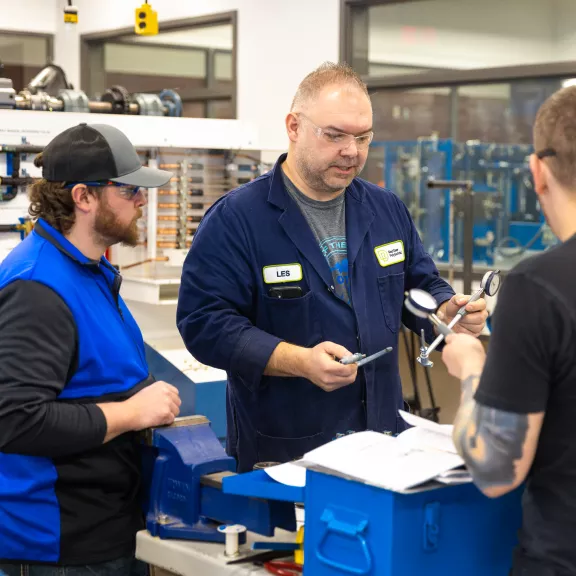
point(186, 467)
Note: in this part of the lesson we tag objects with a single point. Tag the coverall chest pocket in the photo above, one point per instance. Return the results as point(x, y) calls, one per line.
point(295, 320)
point(391, 288)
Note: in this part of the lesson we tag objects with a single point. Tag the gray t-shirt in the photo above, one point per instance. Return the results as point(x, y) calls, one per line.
point(328, 222)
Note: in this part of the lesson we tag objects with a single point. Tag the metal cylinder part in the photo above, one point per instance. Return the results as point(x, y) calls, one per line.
point(148, 104)
point(74, 101)
point(7, 93)
point(40, 101)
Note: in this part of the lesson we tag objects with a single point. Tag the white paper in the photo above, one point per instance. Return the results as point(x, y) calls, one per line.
point(415, 456)
point(288, 474)
point(426, 434)
point(414, 420)
point(423, 439)
point(381, 460)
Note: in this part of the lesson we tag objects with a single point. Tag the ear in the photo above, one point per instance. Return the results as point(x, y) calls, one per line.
point(540, 174)
point(292, 125)
point(84, 199)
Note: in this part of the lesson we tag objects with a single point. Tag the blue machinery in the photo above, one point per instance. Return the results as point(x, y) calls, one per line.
point(351, 528)
point(507, 218)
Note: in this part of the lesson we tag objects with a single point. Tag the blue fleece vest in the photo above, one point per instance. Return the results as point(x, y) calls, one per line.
point(111, 360)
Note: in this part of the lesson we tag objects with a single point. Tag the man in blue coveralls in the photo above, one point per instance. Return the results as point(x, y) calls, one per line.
point(301, 267)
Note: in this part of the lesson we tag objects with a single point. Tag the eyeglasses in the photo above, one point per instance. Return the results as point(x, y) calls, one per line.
point(340, 140)
point(126, 191)
point(547, 152)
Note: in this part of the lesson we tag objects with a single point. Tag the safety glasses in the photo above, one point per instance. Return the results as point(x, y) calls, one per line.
point(124, 190)
point(337, 139)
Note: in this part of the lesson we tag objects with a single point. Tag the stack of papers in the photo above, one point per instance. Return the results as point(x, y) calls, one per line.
point(416, 456)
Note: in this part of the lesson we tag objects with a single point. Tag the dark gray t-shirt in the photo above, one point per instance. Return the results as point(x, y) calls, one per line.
point(328, 223)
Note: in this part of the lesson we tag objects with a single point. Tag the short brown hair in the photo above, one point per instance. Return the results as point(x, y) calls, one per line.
point(53, 202)
point(326, 74)
point(555, 129)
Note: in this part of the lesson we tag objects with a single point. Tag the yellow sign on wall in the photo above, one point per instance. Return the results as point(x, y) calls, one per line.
point(146, 21)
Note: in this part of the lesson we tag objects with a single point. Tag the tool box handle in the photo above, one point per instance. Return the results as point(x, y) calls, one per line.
point(349, 530)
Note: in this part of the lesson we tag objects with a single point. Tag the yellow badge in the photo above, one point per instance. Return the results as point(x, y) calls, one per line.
point(391, 253)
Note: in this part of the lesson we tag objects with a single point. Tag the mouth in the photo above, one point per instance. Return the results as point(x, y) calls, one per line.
point(344, 169)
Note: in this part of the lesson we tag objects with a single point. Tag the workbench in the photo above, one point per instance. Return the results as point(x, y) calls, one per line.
point(193, 558)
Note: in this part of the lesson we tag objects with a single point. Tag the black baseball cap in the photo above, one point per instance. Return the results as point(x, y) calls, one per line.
point(97, 152)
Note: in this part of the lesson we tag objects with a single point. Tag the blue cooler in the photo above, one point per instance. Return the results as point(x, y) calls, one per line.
point(356, 529)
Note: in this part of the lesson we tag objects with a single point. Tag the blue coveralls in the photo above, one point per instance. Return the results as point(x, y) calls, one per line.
point(228, 320)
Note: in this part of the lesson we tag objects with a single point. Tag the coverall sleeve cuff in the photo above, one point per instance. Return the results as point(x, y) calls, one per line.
point(252, 354)
point(443, 296)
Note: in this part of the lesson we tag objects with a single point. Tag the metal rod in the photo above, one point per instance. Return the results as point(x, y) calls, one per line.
point(451, 239)
point(95, 106)
point(451, 184)
point(374, 356)
point(433, 407)
point(411, 353)
point(442, 328)
point(468, 254)
point(440, 337)
point(21, 181)
point(20, 149)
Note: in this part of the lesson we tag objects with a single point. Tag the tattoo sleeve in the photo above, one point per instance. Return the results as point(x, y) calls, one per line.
point(489, 440)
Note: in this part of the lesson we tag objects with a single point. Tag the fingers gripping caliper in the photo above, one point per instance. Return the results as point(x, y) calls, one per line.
point(424, 305)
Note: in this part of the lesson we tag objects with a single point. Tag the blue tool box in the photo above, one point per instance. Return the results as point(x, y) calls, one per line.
point(353, 528)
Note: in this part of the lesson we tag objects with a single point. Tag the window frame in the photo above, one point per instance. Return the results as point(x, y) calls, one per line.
point(354, 13)
point(48, 37)
point(92, 58)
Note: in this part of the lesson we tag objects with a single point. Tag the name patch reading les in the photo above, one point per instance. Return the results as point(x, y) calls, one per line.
point(391, 253)
point(282, 273)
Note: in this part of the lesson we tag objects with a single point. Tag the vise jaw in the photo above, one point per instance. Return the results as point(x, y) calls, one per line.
point(185, 497)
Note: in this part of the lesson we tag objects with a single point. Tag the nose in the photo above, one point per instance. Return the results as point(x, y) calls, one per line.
point(141, 198)
point(351, 149)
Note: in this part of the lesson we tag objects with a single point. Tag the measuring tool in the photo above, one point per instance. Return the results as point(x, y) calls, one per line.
point(361, 359)
point(489, 285)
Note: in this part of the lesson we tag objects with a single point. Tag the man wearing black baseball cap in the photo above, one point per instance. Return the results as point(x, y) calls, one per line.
point(74, 382)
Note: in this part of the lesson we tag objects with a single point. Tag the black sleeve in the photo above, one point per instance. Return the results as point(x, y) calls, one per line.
point(527, 331)
point(37, 350)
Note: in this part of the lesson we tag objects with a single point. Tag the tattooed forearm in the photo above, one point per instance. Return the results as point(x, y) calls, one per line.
point(490, 441)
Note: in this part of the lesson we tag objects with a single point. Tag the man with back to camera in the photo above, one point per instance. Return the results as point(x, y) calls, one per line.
point(516, 420)
point(300, 268)
point(74, 382)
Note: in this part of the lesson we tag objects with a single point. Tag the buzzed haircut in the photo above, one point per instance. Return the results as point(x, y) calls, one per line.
point(326, 74)
point(555, 132)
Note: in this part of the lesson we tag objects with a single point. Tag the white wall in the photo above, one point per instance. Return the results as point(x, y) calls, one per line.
point(29, 15)
point(469, 34)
